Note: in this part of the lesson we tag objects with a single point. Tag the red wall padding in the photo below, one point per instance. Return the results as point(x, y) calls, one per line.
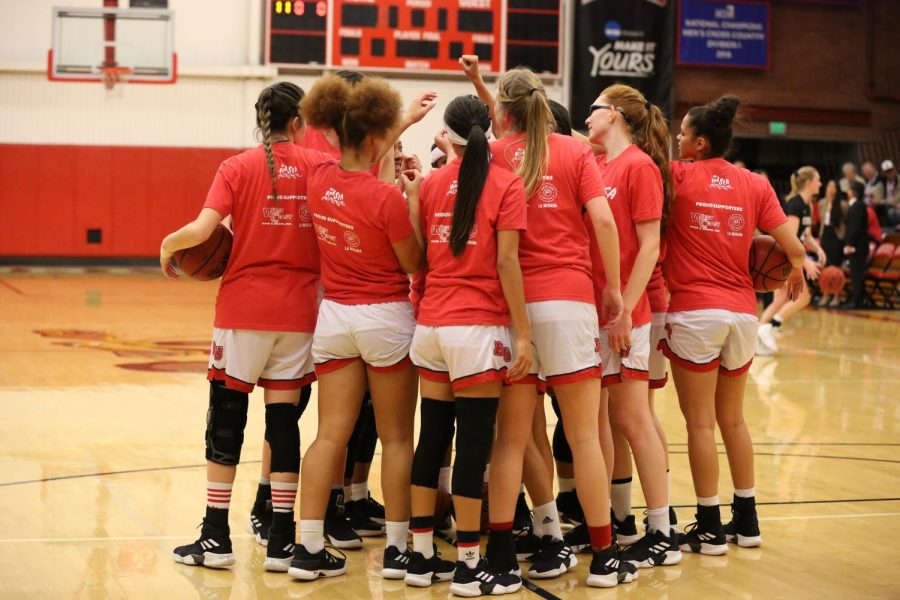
point(51, 195)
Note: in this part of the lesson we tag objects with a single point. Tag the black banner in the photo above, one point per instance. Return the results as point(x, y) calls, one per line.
point(623, 41)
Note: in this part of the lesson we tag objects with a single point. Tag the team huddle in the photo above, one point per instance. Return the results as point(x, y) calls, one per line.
point(539, 262)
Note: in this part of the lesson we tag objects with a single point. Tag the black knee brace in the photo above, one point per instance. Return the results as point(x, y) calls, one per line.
point(283, 435)
point(475, 419)
point(225, 422)
point(356, 437)
point(561, 450)
point(365, 452)
point(435, 434)
point(305, 394)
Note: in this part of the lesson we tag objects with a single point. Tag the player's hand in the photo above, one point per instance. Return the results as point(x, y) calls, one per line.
point(611, 305)
point(524, 358)
point(442, 141)
point(411, 163)
point(469, 64)
point(165, 262)
point(794, 283)
point(811, 268)
point(620, 335)
point(411, 179)
point(419, 107)
point(848, 250)
point(821, 254)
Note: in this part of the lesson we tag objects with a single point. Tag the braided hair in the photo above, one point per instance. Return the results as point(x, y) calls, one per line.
point(275, 107)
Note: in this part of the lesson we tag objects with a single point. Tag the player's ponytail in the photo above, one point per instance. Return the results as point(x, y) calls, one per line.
point(800, 178)
point(522, 96)
point(368, 107)
point(649, 132)
point(467, 119)
point(275, 107)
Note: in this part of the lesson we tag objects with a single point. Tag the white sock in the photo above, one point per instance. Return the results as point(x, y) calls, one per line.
point(748, 493)
point(423, 542)
point(658, 519)
point(487, 472)
point(621, 498)
point(468, 554)
point(263, 480)
point(546, 521)
point(444, 478)
point(359, 491)
point(711, 501)
point(348, 492)
point(396, 534)
point(312, 535)
point(566, 484)
point(283, 496)
point(522, 489)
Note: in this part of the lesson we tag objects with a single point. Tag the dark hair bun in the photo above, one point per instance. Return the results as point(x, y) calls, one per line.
point(723, 111)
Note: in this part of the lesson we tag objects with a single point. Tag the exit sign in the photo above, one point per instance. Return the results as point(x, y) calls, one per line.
point(777, 128)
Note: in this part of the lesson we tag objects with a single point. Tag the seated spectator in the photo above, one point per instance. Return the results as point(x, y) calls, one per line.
point(850, 174)
point(891, 193)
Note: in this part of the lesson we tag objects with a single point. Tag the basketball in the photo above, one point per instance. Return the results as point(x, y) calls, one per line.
point(443, 505)
point(769, 266)
point(832, 280)
point(206, 261)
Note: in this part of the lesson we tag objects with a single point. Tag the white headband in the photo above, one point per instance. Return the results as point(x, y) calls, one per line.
point(454, 137)
point(436, 155)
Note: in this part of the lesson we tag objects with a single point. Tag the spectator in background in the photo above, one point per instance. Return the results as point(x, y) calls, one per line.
point(874, 184)
point(856, 244)
point(891, 193)
point(831, 233)
point(850, 174)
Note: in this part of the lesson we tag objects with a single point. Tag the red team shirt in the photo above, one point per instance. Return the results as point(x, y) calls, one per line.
point(357, 218)
point(634, 190)
point(553, 252)
point(718, 206)
point(272, 276)
point(465, 290)
point(657, 293)
point(314, 139)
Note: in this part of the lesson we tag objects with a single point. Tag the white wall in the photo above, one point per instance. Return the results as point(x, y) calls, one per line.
point(211, 105)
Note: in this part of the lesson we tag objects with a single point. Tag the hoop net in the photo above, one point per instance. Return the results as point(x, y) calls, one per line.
point(113, 75)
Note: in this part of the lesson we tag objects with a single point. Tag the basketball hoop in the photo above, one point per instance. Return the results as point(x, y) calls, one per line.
point(113, 75)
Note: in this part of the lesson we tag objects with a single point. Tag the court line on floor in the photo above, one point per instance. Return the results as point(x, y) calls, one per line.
point(12, 287)
point(163, 538)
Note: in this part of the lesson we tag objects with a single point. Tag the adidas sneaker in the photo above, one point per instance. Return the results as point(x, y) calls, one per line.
point(260, 521)
point(655, 548)
point(211, 549)
point(706, 535)
point(482, 581)
point(625, 531)
point(395, 563)
point(554, 559)
point(743, 529)
point(609, 570)
point(308, 566)
point(422, 572)
point(280, 550)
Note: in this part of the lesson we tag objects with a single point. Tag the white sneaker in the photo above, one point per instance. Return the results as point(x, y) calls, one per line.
point(767, 345)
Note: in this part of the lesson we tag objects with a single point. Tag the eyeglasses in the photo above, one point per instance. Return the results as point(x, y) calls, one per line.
point(595, 107)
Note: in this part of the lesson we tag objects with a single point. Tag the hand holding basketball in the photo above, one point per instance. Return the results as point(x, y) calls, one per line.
point(165, 263)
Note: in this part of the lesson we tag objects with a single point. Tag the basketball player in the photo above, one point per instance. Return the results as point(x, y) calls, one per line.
point(711, 324)
point(472, 213)
point(365, 322)
point(635, 171)
point(560, 178)
point(265, 315)
point(805, 186)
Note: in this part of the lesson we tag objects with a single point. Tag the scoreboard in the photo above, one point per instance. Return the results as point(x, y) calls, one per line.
point(415, 35)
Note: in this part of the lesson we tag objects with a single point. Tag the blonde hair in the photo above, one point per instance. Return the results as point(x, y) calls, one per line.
point(801, 177)
point(522, 96)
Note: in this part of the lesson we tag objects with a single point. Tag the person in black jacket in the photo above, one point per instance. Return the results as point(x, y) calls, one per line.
point(856, 243)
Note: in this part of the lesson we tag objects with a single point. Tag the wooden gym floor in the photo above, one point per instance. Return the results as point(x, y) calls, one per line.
point(101, 457)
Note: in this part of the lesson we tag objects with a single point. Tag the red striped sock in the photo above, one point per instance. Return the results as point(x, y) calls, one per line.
point(283, 496)
point(218, 495)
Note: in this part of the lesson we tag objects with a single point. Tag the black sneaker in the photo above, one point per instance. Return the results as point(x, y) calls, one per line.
point(706, 535)
point(376, 509)
point(527, 545)
point(309, 566)
point(395, 563)
point(655, 548)
point(609, 570)
point(673, 521)
point(625, 532)
point(260, 521)
point(482, 581)
point(743, 529)
point(422, 572)
point(357, 514)
point(569, 508)
point(212, 548)
point(522, 520)
point(578, 539)
point(280, 550)
point(337, 528)
point(554, 559)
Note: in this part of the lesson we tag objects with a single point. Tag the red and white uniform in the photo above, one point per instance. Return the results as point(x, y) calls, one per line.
point(712, 312)
point(556, 262)
point(366, 311)
point(272, 275)
point(634, 190)
point(462, 336)
point(658, 296)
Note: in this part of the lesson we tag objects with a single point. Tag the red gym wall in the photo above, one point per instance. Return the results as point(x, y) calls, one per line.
point(50, 196)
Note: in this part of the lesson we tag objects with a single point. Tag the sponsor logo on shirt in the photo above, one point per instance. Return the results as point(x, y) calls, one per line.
point(277, 215)
point(547, 194)
point(453, 187)
point(705, 222)
point(518, 157)
point(333, 196)
point(352, 242)
point(440, 233)
point(288, 172)
point(325, 236)
point(611, 192)
point(305, 215)
point(720, 183)
point(736, 224)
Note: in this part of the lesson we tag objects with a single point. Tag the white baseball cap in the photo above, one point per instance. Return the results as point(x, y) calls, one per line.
point(887, 166)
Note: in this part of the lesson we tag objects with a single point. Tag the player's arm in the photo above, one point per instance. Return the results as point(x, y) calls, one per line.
point(411, 180)
point(514, 291)
point(809, 265)
point(386, 166)
point(415, 112)
point(408, 254)
point(607, 236)
point(644, 262)
point(469, 64)
point(195, 232)
point(786, 236)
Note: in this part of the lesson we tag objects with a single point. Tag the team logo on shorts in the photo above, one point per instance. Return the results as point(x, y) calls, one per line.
point(352, 239)
point(598, 347)
point(216, 351)
point(502, 351)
